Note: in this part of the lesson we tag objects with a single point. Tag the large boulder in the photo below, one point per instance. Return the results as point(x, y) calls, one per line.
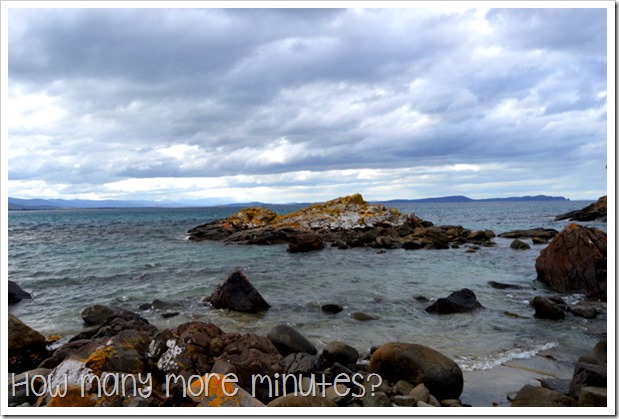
point(26, 346)
point(595, 211)
point(288, 340)
point(546, 308)
point(575, 261)
point(236, 293)
point(457, 302)
point(96, 314)
point(16, 294)
point(418, 364)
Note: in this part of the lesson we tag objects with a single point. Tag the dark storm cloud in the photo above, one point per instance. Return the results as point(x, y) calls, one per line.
point(107, 95)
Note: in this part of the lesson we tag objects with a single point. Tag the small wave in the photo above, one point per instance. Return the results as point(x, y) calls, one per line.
point(493, 361)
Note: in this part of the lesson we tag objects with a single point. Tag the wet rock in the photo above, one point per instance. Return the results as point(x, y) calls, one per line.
point(557, 384)
point(530, 396)
point(305, 243)
point(79, 348)
point(503, 286)
point(236, 293)
point(332, 308)
point(519, 245)
point(16, 293)
point(340, 352)
point(287, 340)
point(418, 364)
point(539, 240)
point(542, 233)
point(361, 316)
point(587, 312)
point(378, 399)
point(460, 301)
point(575, 261)
point(598, 354)
point(545, 308)
point(588, 375)
point(595, 211)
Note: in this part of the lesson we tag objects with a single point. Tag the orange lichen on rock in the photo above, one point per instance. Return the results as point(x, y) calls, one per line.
point(217, 390)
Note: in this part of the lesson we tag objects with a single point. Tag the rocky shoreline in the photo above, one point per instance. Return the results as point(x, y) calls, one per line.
point(123, 360)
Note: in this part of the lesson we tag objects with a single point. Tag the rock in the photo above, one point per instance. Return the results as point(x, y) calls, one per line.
point(358, 315)
point(217, 390)
point(16, 293)
point(287, 340)
point(119, 321)
point(96, 314)
point(290, 400)
point(519, 245)
point(332, 308)
point(481, 235)
point(593, 397)
point(251, 355)
point(557, 384)
point(402, 388)
point(19, 392)
point(26, 346)
point(124, 352)
point(587, 375)
point(542, 233)
point(587, 312)
point(575, 261)
point(78, 348)
point(545, 308)
point(503, 286)
point(460, 301)
point(301, 363)
point(424, 404)
point(340, 352)
point(378, 399)
point(305, 243)
point(530, 396)
point(420, 393)
point(598, 354)
point(190, 349)
point(169, 314)
point(236, 293)
point(400, 400)
point(539, 240)
point(595, 211)
point(418, 364)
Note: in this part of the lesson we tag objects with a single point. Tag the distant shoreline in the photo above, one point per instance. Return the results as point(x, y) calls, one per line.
point(15, 204)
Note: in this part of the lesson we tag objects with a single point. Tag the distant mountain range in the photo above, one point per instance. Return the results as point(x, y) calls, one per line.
point(54, 204)
point(461, 198)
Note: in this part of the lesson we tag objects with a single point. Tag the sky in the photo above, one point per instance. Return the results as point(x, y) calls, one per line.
point(304, 105)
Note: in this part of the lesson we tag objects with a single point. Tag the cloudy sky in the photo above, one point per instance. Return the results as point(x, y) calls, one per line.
point(283, 105)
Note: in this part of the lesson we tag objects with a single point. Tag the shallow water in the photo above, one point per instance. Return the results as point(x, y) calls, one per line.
point(71, 259)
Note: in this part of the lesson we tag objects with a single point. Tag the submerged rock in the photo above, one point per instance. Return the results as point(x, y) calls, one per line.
point(575, 261)
point(546, 308)
point(238, 294)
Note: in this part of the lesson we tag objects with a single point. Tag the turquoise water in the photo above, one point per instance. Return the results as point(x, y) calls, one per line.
point(70, 259)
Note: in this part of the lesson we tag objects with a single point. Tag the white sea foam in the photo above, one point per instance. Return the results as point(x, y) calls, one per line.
point(495, 360)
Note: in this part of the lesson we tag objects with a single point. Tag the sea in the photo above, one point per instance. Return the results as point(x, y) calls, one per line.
point(71, 259)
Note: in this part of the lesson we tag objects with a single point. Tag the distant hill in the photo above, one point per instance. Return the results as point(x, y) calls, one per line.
point(54, 204)
point(461, 198)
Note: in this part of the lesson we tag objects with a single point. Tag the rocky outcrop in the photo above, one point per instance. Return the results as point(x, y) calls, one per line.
point(418, 364)
point(460, 301)
point(595, 211)
point(348, 222)
point(16, 293)
point(236, 293)
point(575, 261)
